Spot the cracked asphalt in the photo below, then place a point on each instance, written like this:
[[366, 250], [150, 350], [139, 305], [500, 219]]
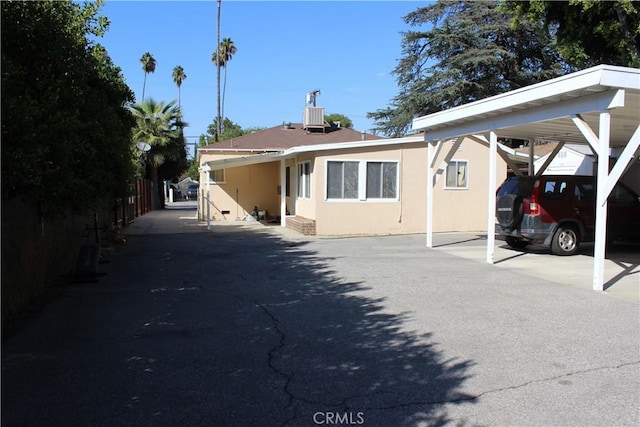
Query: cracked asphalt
[[245, 326]]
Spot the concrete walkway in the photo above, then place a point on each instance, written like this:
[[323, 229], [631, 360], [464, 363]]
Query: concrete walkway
[[245, 326]]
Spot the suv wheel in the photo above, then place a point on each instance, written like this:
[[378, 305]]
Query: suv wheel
[[509, 211], [565, 240], [516, 243]]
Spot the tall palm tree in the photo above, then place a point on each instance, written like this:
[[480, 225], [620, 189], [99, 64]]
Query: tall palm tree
[[178, 77], [148, 66], [227, 50], [218, 69]]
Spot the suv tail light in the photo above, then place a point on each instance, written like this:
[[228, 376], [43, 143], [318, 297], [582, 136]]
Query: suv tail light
[[534, 207]]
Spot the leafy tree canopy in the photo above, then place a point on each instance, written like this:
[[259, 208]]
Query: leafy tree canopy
[[229, 130], [462, 52], [589, 32], [335, 118], [66, 134]]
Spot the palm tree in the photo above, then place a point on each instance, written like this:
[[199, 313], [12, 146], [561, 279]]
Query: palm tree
[[148, 66], [178, 77], [227, 50], [218, 68], [157, 124]]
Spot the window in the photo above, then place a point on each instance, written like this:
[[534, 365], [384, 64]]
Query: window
[[381, 180], [304, 180], [362, 180], [457, 174], [555, 189], [217, 175], [585, 192], [342, 180], [287, 181]]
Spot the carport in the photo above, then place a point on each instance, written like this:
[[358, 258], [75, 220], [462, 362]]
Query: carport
[[599, 106]]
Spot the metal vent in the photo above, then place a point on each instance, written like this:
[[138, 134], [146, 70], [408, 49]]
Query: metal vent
[[313, 117]]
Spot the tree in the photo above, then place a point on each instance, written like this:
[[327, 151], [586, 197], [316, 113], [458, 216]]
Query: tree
[[66, 134], [344, 121], [148, 66], [217, 62], [159, 125], [178, 77], [229, 130], [589, 32], [227, 50], [467, 51]]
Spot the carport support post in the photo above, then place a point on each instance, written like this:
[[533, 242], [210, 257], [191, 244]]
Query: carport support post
[[429, 219], [601, 201], [207, 170], [283, 193], [491, 198]]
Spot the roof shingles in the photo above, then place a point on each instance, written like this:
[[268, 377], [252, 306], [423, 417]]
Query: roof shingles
[[281, 138]]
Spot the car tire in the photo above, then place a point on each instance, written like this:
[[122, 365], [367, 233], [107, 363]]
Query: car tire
[[516, 243], [509, 211], [566, 241]]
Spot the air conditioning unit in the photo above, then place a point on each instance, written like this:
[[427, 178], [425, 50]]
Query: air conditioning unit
[[313, 117]]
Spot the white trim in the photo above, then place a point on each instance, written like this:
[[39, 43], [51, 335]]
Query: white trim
[[466, 180], [305, 189], [560, 88], [362, 181]]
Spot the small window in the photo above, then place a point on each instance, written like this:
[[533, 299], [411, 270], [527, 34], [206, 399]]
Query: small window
[[217, 175], [555, 189], [304, 180], [457, 174]]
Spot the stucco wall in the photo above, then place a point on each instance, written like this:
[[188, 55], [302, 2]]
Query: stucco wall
[[460, 209], [466, 209], [355, 217], [454, 209], [256, 185]]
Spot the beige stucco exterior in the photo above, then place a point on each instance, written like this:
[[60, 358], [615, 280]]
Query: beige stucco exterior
[[458, 209]]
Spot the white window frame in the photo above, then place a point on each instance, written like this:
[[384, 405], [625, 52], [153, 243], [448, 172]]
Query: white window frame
[[466, 178], [303, 180], [362, 181]]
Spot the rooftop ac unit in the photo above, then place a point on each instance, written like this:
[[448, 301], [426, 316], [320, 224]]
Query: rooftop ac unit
[[313, 117]]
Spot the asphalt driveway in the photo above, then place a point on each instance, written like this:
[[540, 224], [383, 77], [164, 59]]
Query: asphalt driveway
[[244, 326]]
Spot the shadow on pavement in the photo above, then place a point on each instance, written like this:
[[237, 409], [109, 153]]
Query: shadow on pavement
[[233, 327]]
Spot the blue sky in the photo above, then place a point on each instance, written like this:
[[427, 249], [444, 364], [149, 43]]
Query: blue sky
[[285, 49]]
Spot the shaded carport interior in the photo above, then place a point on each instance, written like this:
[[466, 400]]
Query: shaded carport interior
[[599, 106]]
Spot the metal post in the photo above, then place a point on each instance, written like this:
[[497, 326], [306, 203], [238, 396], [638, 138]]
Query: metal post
[[491, 197]]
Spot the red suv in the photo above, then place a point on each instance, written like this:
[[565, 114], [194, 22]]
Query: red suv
[[559, 211]]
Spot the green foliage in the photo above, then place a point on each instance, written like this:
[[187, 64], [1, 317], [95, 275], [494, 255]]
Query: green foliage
[[467, 51], [65, 131], [228, 130], [160, 125], [589, 32], [344, 121]]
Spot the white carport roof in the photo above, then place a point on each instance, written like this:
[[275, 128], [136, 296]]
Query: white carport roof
[[599, 106]]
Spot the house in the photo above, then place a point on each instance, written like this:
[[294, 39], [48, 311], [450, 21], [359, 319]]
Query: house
[[332, 181]]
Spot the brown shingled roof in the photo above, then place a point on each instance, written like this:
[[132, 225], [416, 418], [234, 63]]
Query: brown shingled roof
[[281, 138]]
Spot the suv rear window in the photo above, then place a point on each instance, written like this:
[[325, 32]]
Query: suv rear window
[[519, 185]]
